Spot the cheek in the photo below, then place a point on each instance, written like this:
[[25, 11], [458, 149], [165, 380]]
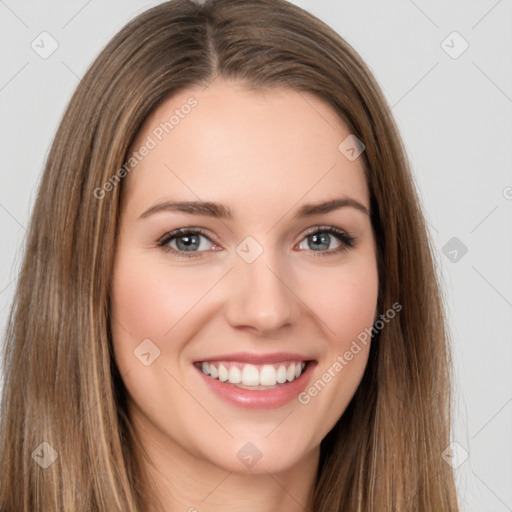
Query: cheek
[[352, 305], [346, 306], [344, 299], [149, 299]]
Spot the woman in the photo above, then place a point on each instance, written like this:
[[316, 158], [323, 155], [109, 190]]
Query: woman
[[228, 297]]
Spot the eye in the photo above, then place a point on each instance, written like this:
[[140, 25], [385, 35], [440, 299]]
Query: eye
[[327, 240], [191, 242], [186, 242]]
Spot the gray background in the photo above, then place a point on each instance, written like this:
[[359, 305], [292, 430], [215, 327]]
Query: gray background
[[455, 118]]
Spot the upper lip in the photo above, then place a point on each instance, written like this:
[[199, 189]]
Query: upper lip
[[247, 357]]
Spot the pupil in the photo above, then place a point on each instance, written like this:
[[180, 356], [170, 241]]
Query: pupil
[[189, 241], [323, 240]]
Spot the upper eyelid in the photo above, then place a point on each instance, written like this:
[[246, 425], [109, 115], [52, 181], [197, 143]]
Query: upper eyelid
[[183, 231]]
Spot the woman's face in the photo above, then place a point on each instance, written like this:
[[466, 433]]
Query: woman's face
[[261, 279]]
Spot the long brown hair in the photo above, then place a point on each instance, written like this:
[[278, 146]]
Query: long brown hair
[[61, 384]]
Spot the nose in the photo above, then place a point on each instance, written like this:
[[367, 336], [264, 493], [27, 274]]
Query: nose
[[261, 297]]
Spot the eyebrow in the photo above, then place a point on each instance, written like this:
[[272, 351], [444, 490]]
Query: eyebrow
[[220, 211]]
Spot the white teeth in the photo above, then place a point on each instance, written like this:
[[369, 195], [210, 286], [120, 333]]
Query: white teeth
[[268, 375], [251, 376], [281, 374], [213, 371], [235, 375], [223, 373]]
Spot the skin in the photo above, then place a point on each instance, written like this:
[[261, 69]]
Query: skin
[[263, 154]]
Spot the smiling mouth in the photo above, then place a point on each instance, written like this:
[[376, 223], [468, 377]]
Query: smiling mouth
[[253, 376]]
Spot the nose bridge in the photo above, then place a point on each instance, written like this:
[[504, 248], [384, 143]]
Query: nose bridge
[[260, 297]]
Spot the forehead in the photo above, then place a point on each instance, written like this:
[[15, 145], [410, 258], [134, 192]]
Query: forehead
[[246, 148]]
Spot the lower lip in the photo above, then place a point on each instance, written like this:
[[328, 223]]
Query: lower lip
[[260, 399]]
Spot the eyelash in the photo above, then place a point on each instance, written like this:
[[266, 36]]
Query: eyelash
[[346, 240]]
